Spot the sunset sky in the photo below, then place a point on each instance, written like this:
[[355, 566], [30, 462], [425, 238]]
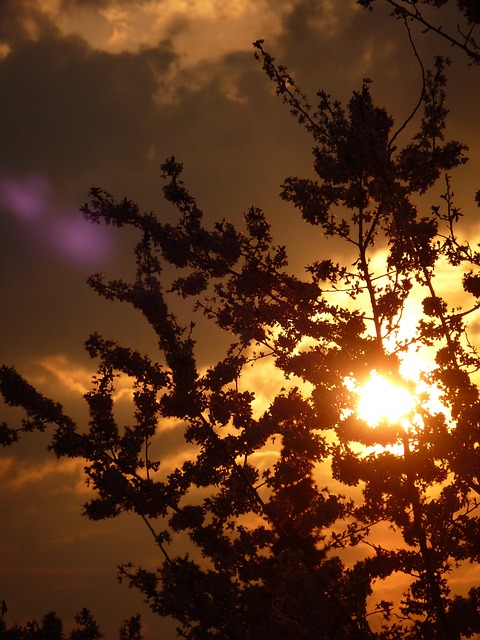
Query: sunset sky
[[99, 93]]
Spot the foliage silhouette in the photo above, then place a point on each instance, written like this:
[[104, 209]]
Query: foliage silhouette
[[51, 628], [286, 507]]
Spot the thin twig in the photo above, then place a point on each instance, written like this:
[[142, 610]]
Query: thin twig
[[422, 94]]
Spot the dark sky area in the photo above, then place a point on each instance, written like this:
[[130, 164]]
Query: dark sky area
[[99, 93]]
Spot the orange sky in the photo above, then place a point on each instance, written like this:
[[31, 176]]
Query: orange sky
[[98, 93]]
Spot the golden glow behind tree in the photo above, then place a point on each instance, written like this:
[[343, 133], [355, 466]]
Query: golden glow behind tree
[[276, 554]]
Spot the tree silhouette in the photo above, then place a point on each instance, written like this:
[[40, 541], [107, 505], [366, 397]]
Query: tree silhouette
[[286, 507], [51, 628]]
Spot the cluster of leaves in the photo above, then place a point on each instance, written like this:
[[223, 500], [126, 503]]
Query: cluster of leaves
[[274, 552]]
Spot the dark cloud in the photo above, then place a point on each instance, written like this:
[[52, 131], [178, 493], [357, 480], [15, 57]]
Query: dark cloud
[[22, 21], [72, 118], [76, 109]]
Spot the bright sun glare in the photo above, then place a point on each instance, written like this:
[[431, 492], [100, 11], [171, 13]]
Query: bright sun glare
[[382, 400]]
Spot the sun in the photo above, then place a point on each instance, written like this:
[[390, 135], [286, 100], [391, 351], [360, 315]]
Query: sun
[[382, 400]]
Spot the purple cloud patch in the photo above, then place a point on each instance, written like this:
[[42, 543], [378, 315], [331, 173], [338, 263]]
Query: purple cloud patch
[[57, 229], [26, 198], [81, 241]]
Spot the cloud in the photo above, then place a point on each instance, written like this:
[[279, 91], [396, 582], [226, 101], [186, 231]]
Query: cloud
[[200, 32], [79, 112], [201, 29], [26, 198], [71, 377], [193, 37], [55, 476]]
